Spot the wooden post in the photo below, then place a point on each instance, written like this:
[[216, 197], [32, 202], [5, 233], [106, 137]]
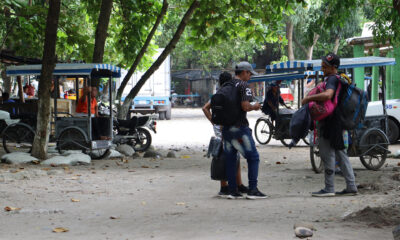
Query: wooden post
[[20, 89]]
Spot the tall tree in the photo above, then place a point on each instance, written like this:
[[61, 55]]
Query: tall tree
[[101, 30], [49, 58]]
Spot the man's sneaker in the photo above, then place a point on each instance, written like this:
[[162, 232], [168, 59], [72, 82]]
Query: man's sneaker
[[323, 193], [235, 195], [255, 194], [243, 189], [346, 192], [223, 192]]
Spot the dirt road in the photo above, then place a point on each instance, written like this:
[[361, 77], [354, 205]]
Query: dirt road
[[174, 198]]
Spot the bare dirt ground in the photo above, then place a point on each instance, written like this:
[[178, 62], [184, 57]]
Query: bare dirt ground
[[174, 198]]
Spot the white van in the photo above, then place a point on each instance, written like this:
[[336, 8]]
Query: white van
[[393, 112]]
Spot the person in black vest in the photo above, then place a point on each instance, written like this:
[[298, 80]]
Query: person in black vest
[[327, 131], [239, 138]]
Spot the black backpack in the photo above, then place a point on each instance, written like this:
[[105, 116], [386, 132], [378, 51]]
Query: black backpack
[[225, 104], [352, 105]]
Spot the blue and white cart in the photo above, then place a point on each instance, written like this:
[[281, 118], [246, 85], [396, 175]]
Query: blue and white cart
[[369, 141]]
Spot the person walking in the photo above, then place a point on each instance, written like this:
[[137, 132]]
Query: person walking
[[238, 137], [328, 150], [224, 190]]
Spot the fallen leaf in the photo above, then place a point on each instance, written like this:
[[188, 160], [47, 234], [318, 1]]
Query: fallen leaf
[[75, 200], [66, 168], [46, 169], [144, 166], [131, 171], [53, 165], [278, 163], [180, 203], [35, 161], [114, 217], [185, 156], [60, 229], [8, 209], [125, 161]]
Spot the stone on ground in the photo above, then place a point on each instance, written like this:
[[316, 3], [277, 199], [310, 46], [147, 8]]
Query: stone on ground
[[151, 154], [126, 150], [171, 154], [302, 232], [115, 154], [72, 159], [18, 158], [304, 224]]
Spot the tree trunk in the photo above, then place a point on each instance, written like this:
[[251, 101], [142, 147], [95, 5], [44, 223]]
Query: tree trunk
[[396, 5], [6, 82], [20, 89], [123, 111], [49, 58], [337, 44], [140, 55], [311, 48], [101, 30], [289, 36]]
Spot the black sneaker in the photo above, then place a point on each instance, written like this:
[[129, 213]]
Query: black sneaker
[[243, 189], [323, 193], [255, 194], [235, 195], [346, 192], [223, 192]]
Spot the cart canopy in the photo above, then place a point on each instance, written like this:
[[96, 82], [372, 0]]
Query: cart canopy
[[68, 69], [299, 69]]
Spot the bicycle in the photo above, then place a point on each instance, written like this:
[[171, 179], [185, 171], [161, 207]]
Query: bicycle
[[265, 130]]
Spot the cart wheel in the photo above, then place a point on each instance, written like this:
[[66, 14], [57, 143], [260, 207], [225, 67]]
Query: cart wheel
[[72, 139], [285, 142], [143, 140], [374, 148], [100, 153], [263, 130], [18, 138], [316, 161]]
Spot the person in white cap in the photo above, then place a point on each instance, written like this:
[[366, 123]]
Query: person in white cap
[[239, 138]]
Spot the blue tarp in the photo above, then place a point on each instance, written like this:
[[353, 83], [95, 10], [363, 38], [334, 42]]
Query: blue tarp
[[65, 69]]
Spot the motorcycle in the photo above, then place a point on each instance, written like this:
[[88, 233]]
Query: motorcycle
[[134, 132]]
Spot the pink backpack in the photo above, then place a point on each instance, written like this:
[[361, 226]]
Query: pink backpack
[[321, 110]]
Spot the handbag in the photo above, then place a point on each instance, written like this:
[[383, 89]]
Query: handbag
[[218, 169], [321, 110], [214, 147]]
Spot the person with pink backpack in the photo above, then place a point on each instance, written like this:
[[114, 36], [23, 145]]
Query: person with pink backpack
[[322, 103]]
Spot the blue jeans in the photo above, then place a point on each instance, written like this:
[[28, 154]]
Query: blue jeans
[[240, 139]]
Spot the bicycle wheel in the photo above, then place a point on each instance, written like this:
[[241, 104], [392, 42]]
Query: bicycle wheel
[[374, 144], [18, 138], [285, 142], [316, 161], [143, 140], [263, 131], [72, 139]]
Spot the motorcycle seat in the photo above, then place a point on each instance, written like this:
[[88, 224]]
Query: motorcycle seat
[[134, 122]]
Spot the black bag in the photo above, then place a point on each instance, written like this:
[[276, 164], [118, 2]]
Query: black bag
[[352, 105], [218, 171], [300, 123], [225, 104], [214, 147]]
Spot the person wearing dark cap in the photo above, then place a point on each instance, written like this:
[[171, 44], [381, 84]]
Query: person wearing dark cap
[[238, 138], [328, 151], [272, 101]]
